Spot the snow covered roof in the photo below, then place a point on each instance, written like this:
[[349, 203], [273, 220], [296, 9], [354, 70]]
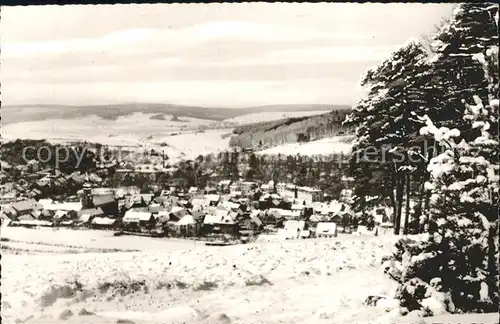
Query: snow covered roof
[[212, 219], [176, 209], [103, 199], [91, 212], [255, 212], [298, 206], [59, 214], [264, 197], [50, 205], [33, 223], [294, 225], [103, 221], [212, 197], [328, 228], [186, 220], [135, 216], [231, 205], [309, 189], [318, 218], [25, 205]]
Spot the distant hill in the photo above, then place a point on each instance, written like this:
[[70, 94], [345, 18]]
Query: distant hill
[[23, 113], [291, 130]]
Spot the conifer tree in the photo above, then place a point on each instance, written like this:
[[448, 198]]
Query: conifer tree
[[396, 88]]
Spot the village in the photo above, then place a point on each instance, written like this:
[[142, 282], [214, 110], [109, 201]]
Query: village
[[222, 212]]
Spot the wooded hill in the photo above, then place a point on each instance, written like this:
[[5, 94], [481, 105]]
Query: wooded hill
[[291, 130], [24, 113]]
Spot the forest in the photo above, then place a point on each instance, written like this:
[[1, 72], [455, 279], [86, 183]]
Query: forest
[[432, 107], [291, 130]]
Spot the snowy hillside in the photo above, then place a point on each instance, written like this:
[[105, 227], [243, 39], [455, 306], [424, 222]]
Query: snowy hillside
[[282, 282], [324, 146], [270, 116]]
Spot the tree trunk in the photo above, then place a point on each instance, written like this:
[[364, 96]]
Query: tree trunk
[[398, 201], [421, 200], [492, 279], [400, 204], [407, 209], [394, 201]]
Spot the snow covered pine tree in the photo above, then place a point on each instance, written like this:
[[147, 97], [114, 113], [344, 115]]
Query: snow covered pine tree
[[454, 266]]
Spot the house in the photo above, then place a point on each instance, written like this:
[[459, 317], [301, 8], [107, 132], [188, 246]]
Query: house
[[188, 226], [215, 217], [236, 186], [177, 213], [20, 170], [61, 215], [86, 215], [26, 217], [5, 166], [308, 194], [224, 223], [248, 186], [162, 216], [267, 188], [35, 193], [8, 198], [213, 199], [210, 190], [147, 198], [155, 208], [229, 205], [236, 194], [223, 186], [47, 215], [33, 166], [251, 221], [24, 207], [199, 202], [102, 191], [193, 191], [31, 223], [60, 184], [162, 200], [3, 177], [318, 218], [326, 229], [286, 190], [49, 204], [274, 220], [135, 201], [107, 203], [104, 223], [346, 195], [298, 207], [135, 220], [292, 229], [198, 216], [4, 219]]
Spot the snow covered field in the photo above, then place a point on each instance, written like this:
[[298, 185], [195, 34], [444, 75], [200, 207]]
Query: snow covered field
[[179, 281], [336, 145], [270, 116], [176, 138], [174, 281]]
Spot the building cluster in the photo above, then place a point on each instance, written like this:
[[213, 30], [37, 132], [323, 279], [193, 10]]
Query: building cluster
[[228, 208]]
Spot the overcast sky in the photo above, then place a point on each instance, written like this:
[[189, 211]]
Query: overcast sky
[[228, 55]]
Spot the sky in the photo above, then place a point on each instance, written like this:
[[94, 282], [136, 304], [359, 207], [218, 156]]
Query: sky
[[214, 55]]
